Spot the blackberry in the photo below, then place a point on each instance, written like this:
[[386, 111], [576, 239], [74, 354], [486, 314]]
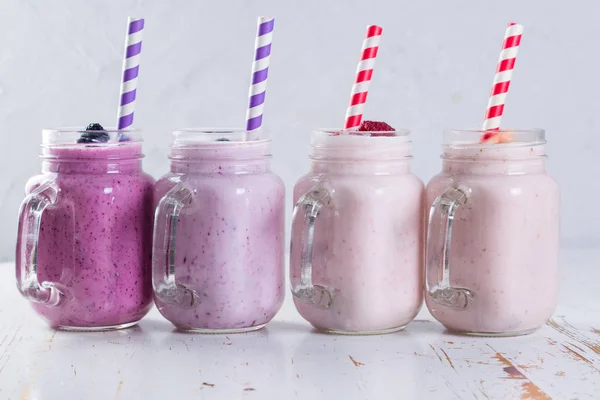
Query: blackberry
[[94, 126], [94, 133]]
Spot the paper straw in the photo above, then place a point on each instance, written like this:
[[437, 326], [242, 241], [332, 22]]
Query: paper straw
[[260, 72], [131, 66], [364, 72], [504, 71]]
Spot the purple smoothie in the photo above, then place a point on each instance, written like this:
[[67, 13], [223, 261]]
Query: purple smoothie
[[230, 237], [95, 240]]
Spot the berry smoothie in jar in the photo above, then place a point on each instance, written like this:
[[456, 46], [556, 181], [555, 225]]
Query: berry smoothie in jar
[[493, 236], [218, 252], [357, 232], [85, 231]]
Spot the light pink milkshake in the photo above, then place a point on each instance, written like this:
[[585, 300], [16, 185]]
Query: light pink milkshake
[[356, 253], [493, 270], [218, 258]]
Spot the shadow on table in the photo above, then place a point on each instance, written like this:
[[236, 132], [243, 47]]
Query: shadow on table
[[68, 340], [286, 327], [273, 327], [156, 325]]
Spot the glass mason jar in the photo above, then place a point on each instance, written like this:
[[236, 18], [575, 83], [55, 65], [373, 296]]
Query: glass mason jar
[[218, 255], [493, 235], [357, 234], [84, 239]]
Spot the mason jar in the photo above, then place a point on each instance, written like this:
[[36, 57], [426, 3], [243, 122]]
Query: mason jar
[[218, 255], [85, 232], [356, 262], [493, 235]]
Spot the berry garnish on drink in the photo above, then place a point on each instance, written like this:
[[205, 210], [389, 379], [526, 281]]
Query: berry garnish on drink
[[94, 133], [378, 128]]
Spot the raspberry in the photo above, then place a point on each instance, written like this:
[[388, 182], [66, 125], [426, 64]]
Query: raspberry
[[379, 128]]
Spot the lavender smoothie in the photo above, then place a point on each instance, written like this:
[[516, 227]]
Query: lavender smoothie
[[227, 250], [503, 254], [95, 237]]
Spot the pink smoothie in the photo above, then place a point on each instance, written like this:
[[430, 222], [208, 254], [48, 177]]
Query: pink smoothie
[[367, 240], [505, 239], [95, 241], [229, 242]]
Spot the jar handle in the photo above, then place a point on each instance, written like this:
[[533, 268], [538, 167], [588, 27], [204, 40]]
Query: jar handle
[[442, 214], [30, 219], [164, 247], [308, 208]]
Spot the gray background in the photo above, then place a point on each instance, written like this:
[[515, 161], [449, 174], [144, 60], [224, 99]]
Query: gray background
[[60, 65]]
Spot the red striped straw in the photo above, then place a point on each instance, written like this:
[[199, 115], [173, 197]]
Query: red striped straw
[[364, 72], [504, 71]]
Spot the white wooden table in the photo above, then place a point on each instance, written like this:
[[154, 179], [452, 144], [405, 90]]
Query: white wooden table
[[289, 360]]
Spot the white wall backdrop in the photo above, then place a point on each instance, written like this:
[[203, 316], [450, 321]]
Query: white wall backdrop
[[60, 65]]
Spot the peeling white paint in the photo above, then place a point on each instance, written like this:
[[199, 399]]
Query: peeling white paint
[[289, 360]]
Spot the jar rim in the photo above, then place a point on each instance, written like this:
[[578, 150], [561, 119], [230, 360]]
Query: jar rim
[[379, 135], [333, 138], [69, 136], [219, 137], [471, 138], [328, 145]]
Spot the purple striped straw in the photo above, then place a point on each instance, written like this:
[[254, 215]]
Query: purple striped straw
[[131, 67], [260, 72]]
